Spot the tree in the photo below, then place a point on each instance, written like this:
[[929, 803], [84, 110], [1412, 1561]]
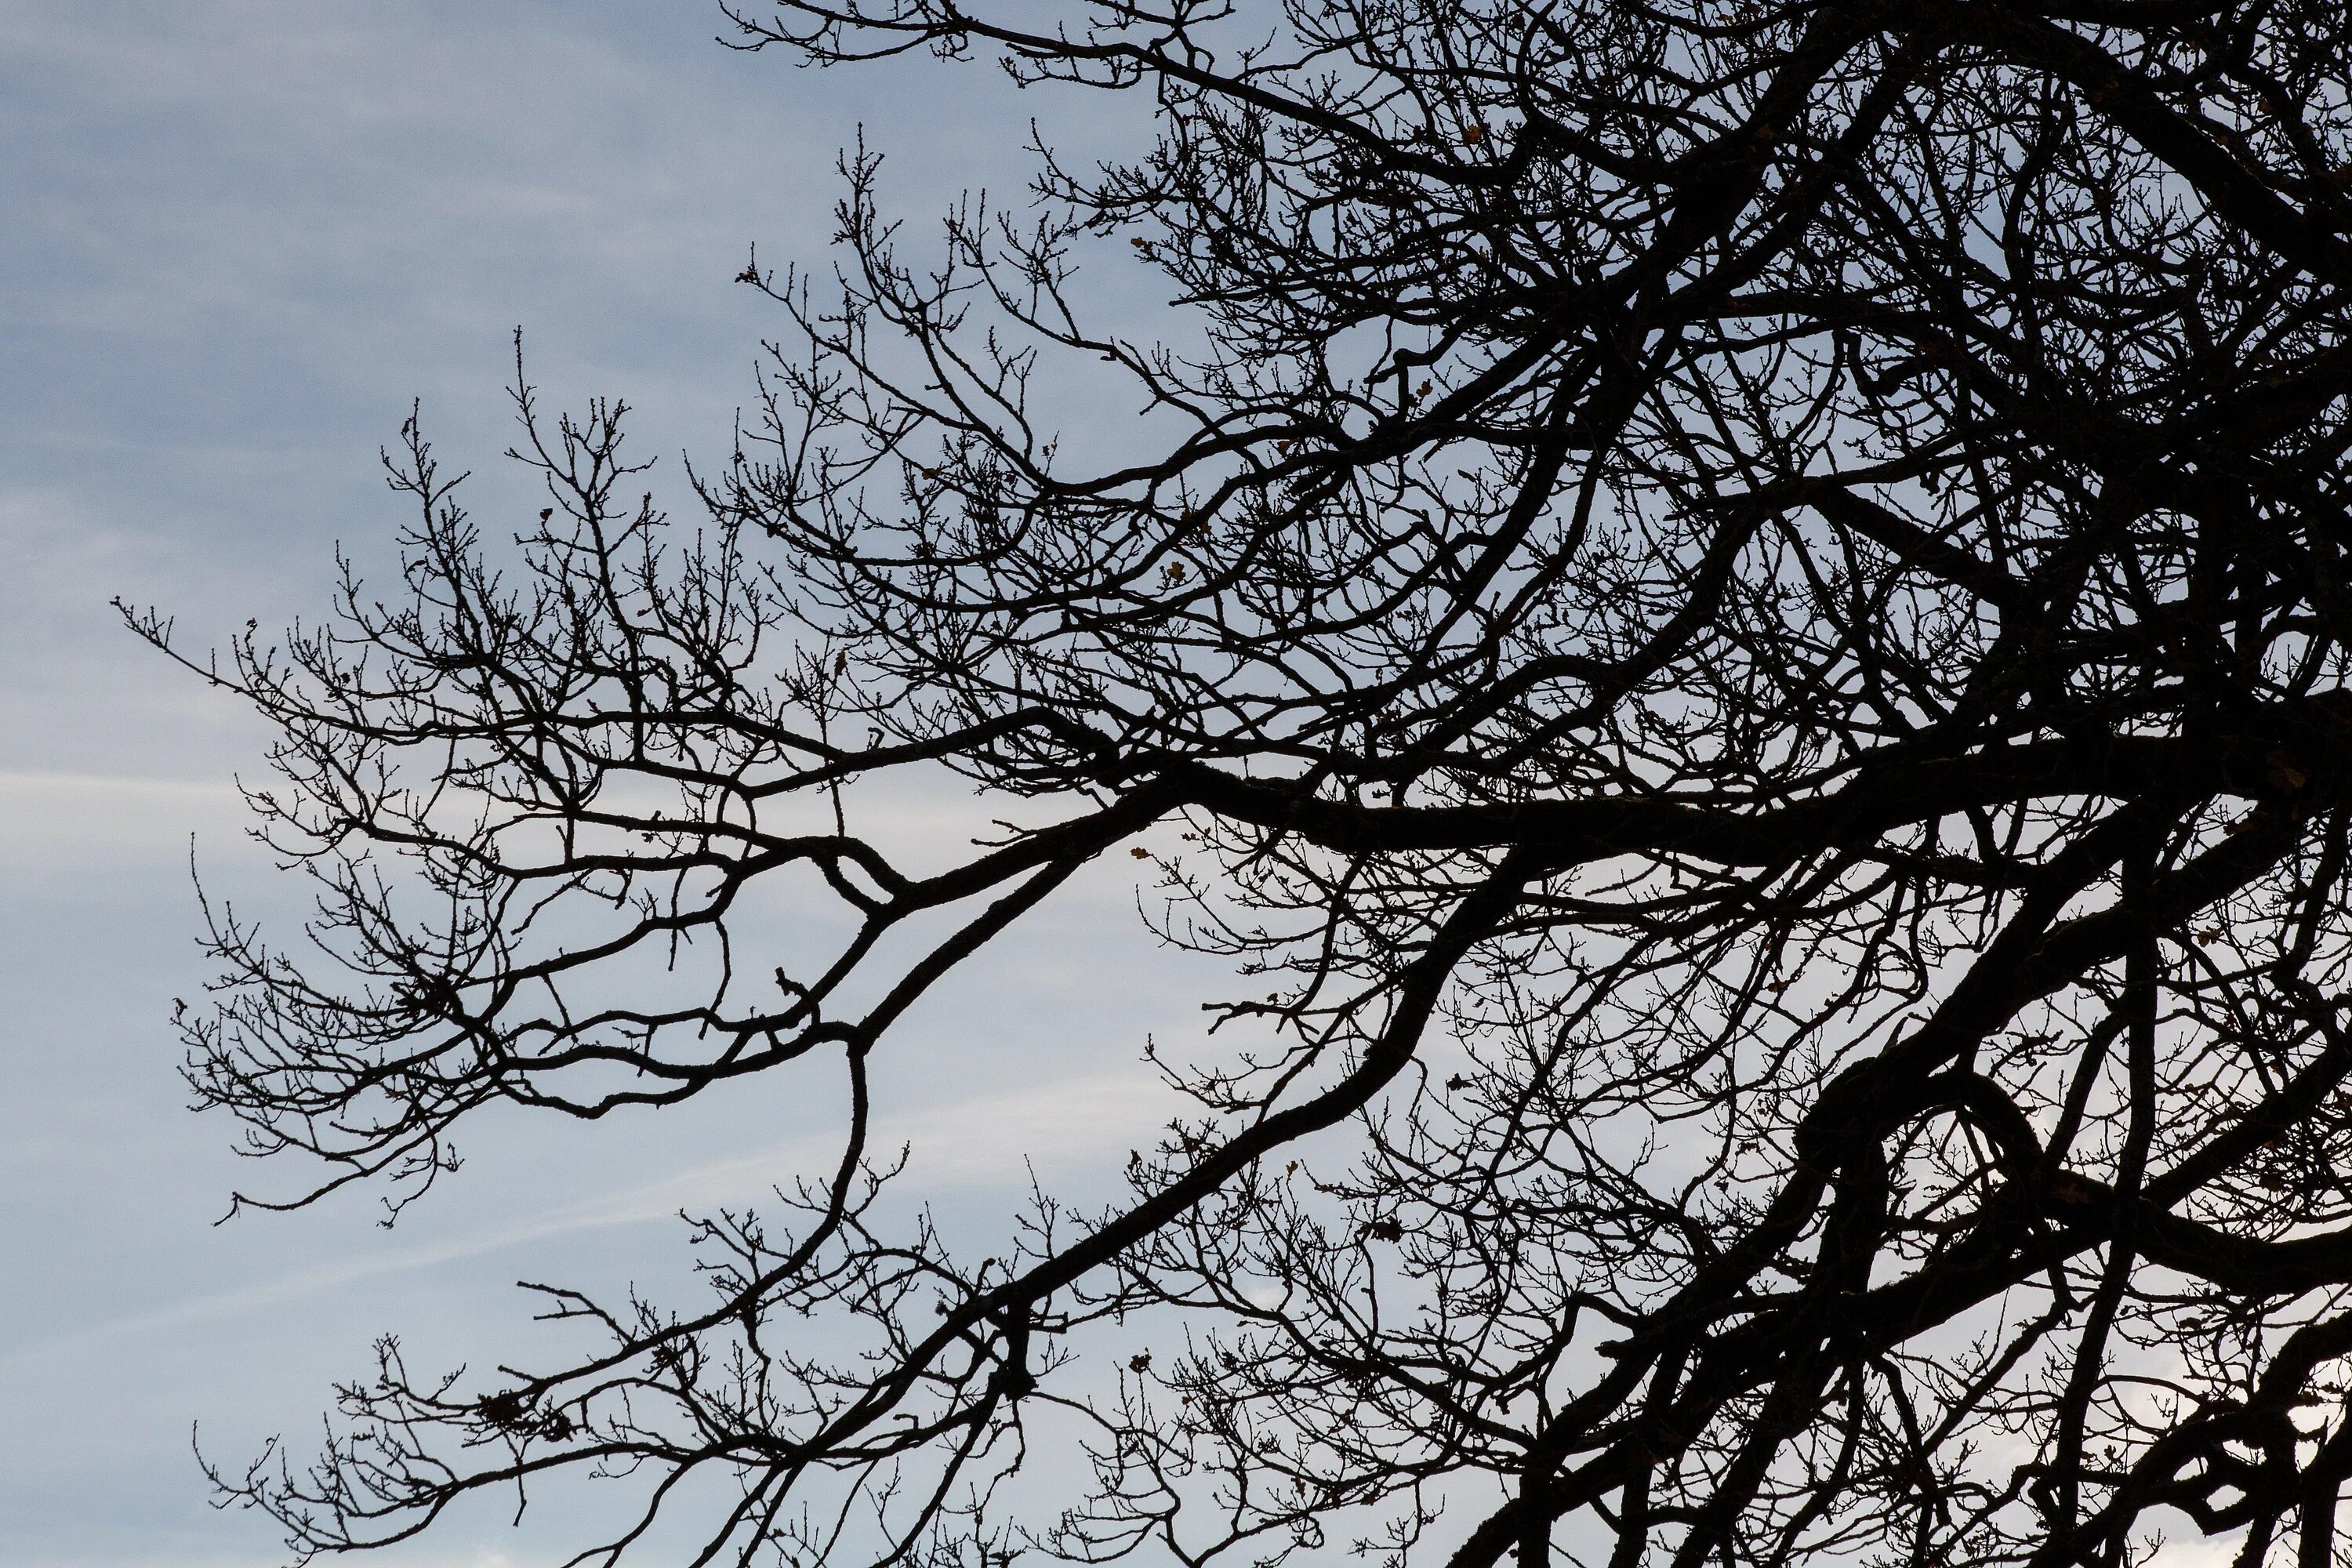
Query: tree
[[1746, 605]]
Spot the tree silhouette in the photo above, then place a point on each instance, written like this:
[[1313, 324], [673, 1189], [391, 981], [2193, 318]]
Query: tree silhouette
[[1745, 604]]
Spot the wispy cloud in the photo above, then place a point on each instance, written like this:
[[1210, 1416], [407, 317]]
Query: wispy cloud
[[75, 816], [243, 235], [975, 1142]]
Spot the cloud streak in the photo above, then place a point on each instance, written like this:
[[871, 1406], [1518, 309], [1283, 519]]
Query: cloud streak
[[976, 1142], [243, 235]]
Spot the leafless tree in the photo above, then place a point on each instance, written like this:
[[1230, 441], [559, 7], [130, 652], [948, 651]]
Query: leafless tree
[[1743, 606]]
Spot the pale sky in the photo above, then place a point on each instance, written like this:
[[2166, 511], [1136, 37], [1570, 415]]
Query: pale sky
[[239, 236]]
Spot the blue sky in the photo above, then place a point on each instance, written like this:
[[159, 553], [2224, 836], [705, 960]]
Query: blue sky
[[240, 235]]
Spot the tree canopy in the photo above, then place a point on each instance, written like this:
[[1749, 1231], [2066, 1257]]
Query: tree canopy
[[1744, 606]]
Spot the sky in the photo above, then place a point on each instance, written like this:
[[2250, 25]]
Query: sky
[[237, 240], [240, 237]]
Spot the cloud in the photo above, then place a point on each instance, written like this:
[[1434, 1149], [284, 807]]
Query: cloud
[[56, 825], [974, 1142], [243, 235]]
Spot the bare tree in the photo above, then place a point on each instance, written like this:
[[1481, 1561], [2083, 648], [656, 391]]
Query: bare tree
[[1741, 603]]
